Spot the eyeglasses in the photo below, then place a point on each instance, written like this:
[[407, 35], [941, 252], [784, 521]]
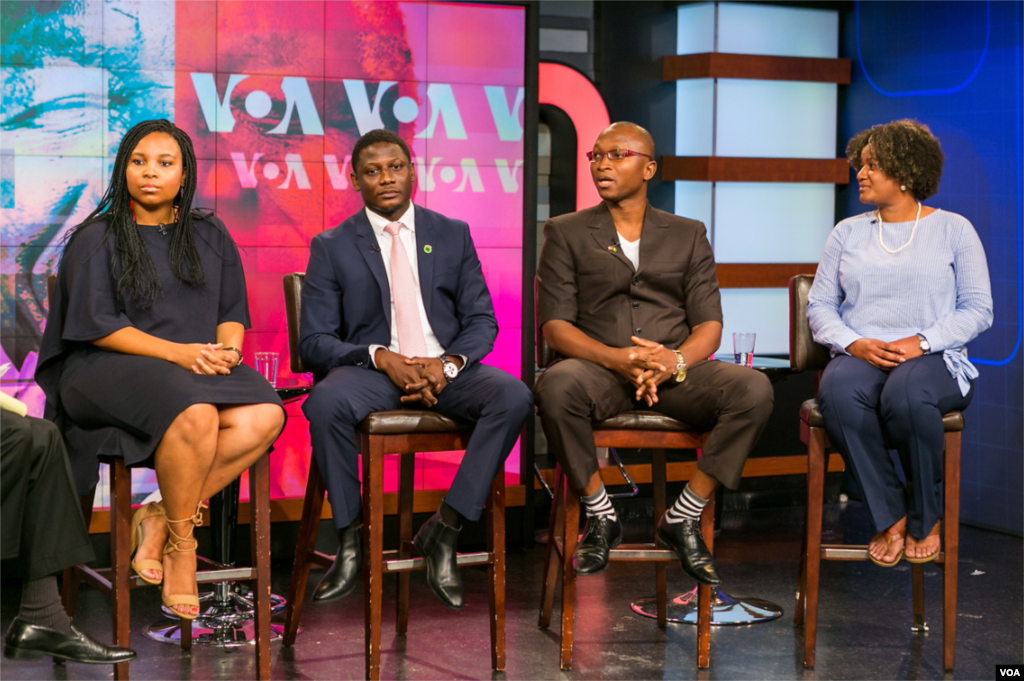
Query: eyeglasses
[[614, 155]]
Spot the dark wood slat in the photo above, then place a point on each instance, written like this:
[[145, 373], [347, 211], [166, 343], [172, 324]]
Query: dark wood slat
[[290, 509], [756, 67], [761, 275], [735, 169]]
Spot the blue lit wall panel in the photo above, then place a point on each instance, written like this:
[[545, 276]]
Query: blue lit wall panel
[[694, 201], [771, 222], [695, 117], [756, 310], [749, 28], [775, 119], [695, 29]]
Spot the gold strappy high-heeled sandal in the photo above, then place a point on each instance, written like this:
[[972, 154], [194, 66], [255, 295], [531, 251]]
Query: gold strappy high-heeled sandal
[[174, 542], [151, 510]]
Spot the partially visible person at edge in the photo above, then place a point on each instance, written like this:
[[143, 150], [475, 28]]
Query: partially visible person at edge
[[43, 533], [142, 353], [899, 292], [628, 297]]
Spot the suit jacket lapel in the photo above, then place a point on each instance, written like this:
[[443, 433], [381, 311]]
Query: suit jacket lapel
[[426, 239], [366, 244], [603, 230], [652, 238]]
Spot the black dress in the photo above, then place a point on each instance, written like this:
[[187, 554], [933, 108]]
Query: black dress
[[112, 404]]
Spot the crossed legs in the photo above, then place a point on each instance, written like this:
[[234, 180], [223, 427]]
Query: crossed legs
[[203, 450]]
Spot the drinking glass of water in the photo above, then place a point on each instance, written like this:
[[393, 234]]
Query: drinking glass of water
[[743, 348], [266, 364]]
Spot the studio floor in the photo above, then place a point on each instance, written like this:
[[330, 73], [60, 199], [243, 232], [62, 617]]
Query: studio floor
[[864, 631]]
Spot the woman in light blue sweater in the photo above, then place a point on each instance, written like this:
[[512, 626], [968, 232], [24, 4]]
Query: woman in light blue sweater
[[899, 293]]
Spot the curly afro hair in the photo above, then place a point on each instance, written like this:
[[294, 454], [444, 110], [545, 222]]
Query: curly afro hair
[[906, 151]]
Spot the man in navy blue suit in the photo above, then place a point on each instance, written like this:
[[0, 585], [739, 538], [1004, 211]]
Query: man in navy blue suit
[[396, 313]]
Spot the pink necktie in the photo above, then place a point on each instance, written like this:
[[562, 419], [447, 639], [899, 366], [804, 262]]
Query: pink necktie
[[411, 341]]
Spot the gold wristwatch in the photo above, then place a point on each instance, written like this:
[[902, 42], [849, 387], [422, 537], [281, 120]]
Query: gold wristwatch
[[680, 374]]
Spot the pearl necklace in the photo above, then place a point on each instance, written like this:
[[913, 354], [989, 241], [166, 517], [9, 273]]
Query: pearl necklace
[[878, 216]]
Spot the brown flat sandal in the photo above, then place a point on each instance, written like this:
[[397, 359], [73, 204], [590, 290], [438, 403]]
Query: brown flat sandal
[[890, 537], [931, 556]]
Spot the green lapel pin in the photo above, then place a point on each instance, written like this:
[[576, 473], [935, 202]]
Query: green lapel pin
[[428, 249]]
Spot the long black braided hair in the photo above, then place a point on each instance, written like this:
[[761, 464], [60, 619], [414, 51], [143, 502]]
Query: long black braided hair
[[137, 276]]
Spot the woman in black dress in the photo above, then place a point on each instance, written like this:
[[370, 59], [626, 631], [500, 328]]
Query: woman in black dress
[[141, 357]]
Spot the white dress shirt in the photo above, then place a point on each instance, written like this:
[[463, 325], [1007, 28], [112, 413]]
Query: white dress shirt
[[408, 239]]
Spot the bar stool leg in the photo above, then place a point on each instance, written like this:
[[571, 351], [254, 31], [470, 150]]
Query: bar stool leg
[[570, 537], [495, 515], [659, 470], [312, 508], [917, 597], [259, 524], [121, 501], [951, 546], [373, 543], [707, 527], [812, 538], [551, 555], [407, 472]]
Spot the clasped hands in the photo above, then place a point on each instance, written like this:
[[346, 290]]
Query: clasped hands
[[885, 356], [646, 365], [421, 378], [207, 359]]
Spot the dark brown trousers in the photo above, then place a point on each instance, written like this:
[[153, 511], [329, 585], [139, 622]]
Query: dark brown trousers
[[730, 401]]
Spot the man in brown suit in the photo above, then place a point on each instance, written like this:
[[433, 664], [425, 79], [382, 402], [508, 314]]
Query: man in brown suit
[[629, 298]]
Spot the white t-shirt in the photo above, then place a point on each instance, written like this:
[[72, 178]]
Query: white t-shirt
[[630, 249]]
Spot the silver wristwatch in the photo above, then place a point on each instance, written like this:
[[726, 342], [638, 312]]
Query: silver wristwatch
[[924, 344], [451, 370]]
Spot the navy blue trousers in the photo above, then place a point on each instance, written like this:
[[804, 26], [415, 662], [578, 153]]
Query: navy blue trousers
[[494, 402], [862, 405]]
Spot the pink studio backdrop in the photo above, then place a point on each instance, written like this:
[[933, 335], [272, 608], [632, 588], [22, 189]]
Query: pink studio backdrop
[[274, 96], [448, 77]]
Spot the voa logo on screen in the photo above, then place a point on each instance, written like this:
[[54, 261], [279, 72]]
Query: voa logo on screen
[[444, 115]]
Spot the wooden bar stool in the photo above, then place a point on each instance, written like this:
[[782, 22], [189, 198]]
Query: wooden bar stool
[[117, 581], [634, 429], [404, 432], [806, 355]]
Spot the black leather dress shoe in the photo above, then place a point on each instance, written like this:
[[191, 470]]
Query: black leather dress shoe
[[343, 576], [601, 534], [685, 539], [437, 543], [26, 641]]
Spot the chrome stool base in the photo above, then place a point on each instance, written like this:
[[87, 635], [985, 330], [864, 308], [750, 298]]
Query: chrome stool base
[[726, 610], [226, 622]]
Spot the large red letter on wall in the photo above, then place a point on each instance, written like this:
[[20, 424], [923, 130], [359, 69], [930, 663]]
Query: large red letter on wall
[[573, 93]]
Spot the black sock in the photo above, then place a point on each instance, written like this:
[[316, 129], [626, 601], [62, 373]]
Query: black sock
[[450, 517], [40, 605]]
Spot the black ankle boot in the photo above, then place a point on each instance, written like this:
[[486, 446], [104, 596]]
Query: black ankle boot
[[344, 574], [437, 543]]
